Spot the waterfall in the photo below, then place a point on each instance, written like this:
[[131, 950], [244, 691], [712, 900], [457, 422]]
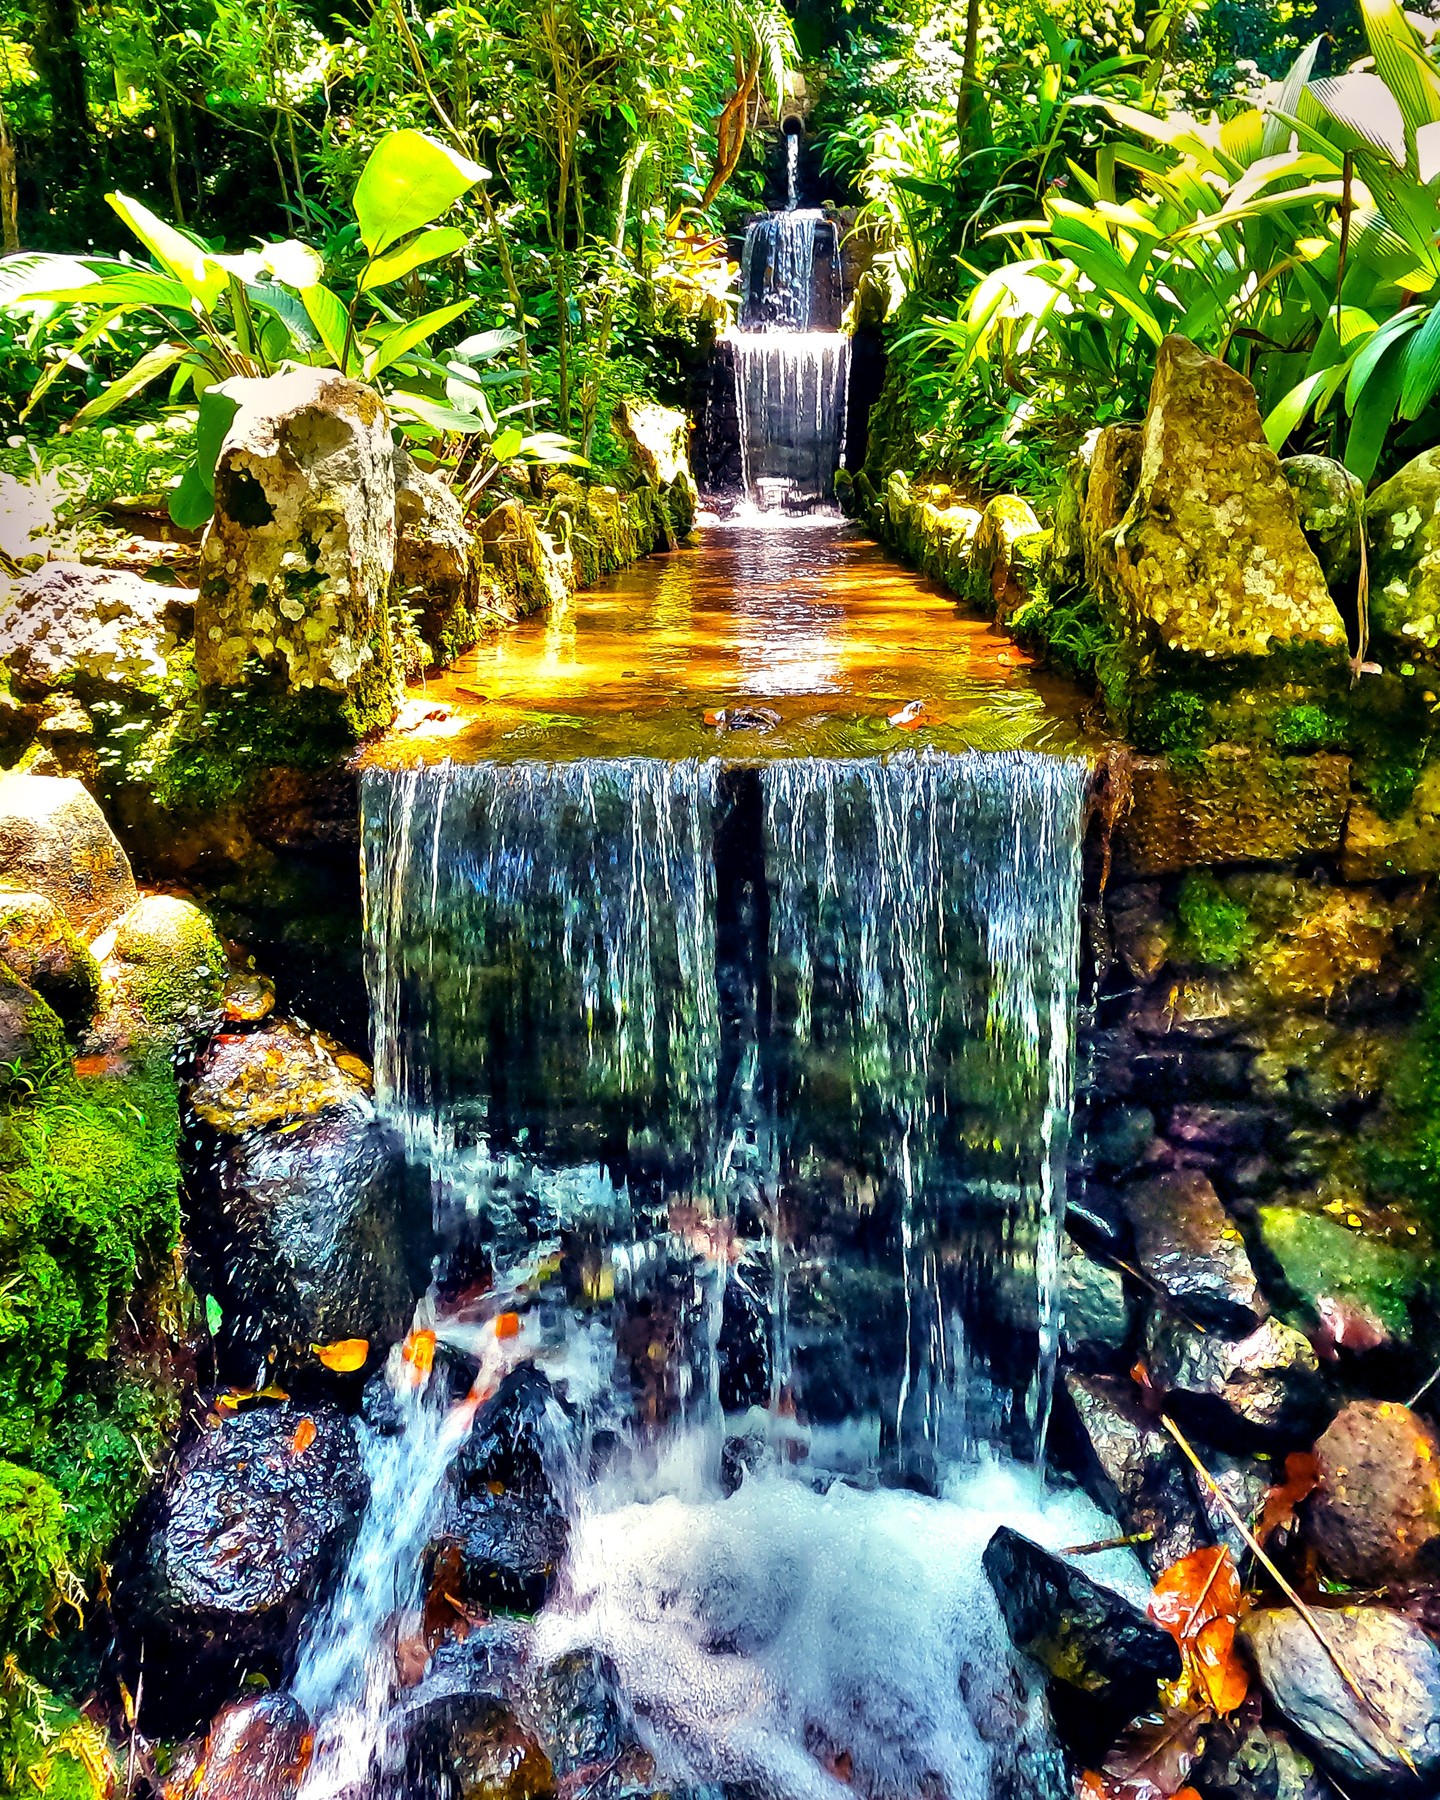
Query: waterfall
[[576, 1034], [790, 378]]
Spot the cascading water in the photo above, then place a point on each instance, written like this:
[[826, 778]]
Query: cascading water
[[790, 378], [746, 1092]]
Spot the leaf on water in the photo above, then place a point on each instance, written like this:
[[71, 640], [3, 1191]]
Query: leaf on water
[[234, 1398], [1151, 1759], [507, 1325], [344, 1356], [1198, 1601], [1301, 1474], [418, 1351], [304, 1437]]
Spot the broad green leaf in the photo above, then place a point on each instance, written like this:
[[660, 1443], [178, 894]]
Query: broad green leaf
[[1374, 414], [134, 287], [294, 263], [192, 502], [288, 309], [1290, 98], [28, 274], [217, 409], [485, 344], [214, 1316], [1375, 348], [417, 331], [330, 319], [430, 246], [186, 261], [437, 417], [1422, 367], [1365, 112], [152, 363], [504, 445], [96, 329], [409, 180], [1401, 64], [1287, 414]]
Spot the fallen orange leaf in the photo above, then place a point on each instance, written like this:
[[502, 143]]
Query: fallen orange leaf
[[507, 1325], [304, 1437], [345, 1356], [418, 1351], [1198, 1601], [1301, 1474]]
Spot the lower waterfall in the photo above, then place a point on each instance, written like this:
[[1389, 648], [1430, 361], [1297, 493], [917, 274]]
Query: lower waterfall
[[742, 1095], [790, 391]]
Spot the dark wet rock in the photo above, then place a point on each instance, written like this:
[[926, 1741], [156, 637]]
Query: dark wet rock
[[1143, 935], [1233, 805], [1137, 1473], [1244, 1760], [1105, 1067], [516, 1439], [1395, 1664], [578, 1714], [54, 841], [249, 998], [1244, 1481], [275, 1076], [1096, 1310], [306, 1241], [257, 1749], [1190, 1248], [1208, 1127], [1081, 1632], [744, 718], [379, 1409], [1121, 1138], [1095, 1213], [491, 1755], [742, 1348], [488, 1667], [1176, 1070], [41, 947], [1324, 1065], [509, 1550], [249, 1528], [1265, 1383], [1208, 1008], [1375, 1512], [1343, 1277]]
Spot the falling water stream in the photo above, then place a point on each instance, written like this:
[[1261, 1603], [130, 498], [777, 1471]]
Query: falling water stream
[[728, 1017]]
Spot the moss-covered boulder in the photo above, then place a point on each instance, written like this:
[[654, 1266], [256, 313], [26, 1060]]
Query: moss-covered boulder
[[1380, 844], [524, 557], [1324, 1262], [658, 438], [299, 559], [1004, 556], [1110, 480], [32, 1039], [1330, 505], [436, 566], [1209, 563], [167, 967], [40, 946], [55, 841], [1403, 528]]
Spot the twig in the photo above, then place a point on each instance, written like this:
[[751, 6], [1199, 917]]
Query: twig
[[1424, 1387], [1257, 1549], [1194, 1612], [1115, 1543], [135, 1726]]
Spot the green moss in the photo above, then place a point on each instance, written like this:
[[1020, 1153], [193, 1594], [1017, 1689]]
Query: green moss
[[1174, 724], [1402, 1158], [1318, 1257], [173, 961], [1068, 630], [1214, 929], [47, 1748], [33, 1550], [1306, 726]]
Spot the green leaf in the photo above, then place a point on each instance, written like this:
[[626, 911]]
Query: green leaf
[[214, 1317], [1401, 64], [191, 504], [328, 316], [1372, 417], [134, 288], [152, 363], [409, 180], [1287, 414], [506, 443], [437, 417], [486, 344], [288, 310], [430, 246], [417, 331], [202, 276], [1365, 111], [1277, 132], [294, 263], [26, 275], [1422, 367], [217, 409]]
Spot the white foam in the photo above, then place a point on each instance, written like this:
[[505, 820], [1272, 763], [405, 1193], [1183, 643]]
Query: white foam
[[760, 1637]]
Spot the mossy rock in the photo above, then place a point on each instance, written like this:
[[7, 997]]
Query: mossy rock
[[1330, 505], [1403, 527], [33, 1559], [169, 966], [1321, 1258], [32, 1039], [49, 1749], [40, 946]]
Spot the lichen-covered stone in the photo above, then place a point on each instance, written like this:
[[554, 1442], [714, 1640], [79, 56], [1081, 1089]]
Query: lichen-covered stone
[[41, 947], [32, 1039], [1403, 528], [1095, 1311], [512, 543], [68, 624], [1267, 1381], [54, 840], [436, 563], [1408, 844], [1235, 805], [299, 558], [1001, 573], [1330, 504], [1393, 1663], [280, 1074], [658, 437], [1209, 562], [1064, 561], [1375, 1512], [168, 967], [1109, 488]]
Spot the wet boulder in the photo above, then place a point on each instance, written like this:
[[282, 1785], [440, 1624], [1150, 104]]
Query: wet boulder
[[54, 841], [436, 562], [1403, 529], [1330, 505], [1209, 561], [1354, 1285], [580, 1717], [305, 1237], [1109, 488], [1134, 1468], [1246, 1761], [251, 1523], [40, 946], [1264, 1384], [69, 625], [166, 971], [257, 1748], [480, 1752], [658, 439], [1193, 1252], [32, 1038], [275, 1076], [1375, 1512], [1004, 556], [299, 558], [1095, 1316], [1083, 1633], [1395, 1665]]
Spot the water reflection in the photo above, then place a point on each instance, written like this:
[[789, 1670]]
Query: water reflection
[[808, 619]]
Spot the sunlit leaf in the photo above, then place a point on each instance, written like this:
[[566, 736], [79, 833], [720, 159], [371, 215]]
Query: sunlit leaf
[[303, 1438], [154, 362], [409, 179], [344, 1356], [202, 276]]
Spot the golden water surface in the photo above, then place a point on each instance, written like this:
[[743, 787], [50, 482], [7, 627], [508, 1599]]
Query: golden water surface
[[757, 641]]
